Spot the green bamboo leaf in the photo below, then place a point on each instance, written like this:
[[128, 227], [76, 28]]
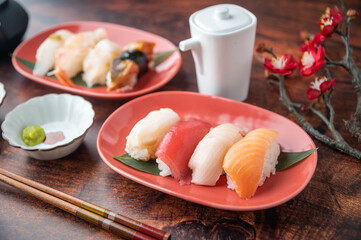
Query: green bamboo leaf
[[149, 167], [288, 159], [78, 80], [159, 57], [29, 64], [285, 160]]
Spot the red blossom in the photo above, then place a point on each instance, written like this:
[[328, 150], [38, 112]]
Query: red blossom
[[283, 65], [330, 21], [316, 40], [312, 93], [318, 87], [311, 60], [326, 85]]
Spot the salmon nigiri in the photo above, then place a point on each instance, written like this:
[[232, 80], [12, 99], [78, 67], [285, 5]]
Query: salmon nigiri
[[206, 161], [177, 147], [250, 160]]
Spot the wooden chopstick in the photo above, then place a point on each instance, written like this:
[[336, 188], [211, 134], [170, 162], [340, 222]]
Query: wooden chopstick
[[108, 220]]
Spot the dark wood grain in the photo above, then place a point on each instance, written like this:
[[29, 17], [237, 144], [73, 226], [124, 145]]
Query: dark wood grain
[[328, 208]]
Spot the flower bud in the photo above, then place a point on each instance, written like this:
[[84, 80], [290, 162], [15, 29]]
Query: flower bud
[[261, 48], [352, 14], [305, 36], [305, 108]]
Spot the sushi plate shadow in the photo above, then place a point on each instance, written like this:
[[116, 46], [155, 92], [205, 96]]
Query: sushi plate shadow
[[122, 35], [277, 189]]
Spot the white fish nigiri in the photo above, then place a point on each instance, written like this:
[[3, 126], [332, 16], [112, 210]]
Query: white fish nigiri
[[97, 63], [69, 58], [207, 159], [144, 138], [45, 55]]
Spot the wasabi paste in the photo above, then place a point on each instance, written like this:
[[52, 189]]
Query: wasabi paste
[[33, 135]]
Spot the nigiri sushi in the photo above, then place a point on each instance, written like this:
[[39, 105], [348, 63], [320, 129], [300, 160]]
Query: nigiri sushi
[[177, 147], [69, 58], [206, 161], [97, 63], [135, 60], [45, 55], [249, 161], [145, 136]]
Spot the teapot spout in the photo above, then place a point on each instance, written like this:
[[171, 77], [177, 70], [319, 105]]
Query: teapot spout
[[188, 44], [194, 45]]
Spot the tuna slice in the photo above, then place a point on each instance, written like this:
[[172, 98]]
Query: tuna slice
[[177, 147]]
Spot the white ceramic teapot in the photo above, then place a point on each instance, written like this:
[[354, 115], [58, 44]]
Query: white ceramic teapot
[[222, 46]]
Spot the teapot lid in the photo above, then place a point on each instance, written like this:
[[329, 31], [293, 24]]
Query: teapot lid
[[222, 18]]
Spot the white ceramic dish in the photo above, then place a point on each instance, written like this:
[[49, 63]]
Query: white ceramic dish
[[69, 114], [2, 93]]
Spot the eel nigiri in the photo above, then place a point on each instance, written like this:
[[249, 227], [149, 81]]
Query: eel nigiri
[[249, 161], [177, 147], [69, 58], [135, 60], [97, 63], [206, 161], [45, 55], [145, 136]]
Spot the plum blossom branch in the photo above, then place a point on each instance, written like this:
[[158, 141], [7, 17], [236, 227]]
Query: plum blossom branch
[[313, 58]]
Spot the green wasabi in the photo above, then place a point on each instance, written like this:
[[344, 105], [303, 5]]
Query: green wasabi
[[33, 135]]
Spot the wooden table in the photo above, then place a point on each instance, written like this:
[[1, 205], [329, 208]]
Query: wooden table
[[328, 208]]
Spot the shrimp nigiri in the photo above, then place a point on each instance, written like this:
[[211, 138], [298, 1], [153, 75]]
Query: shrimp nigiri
[[206, 161], [135, 61], [69, 58], [249, 161], [97, 63], [45, 55]]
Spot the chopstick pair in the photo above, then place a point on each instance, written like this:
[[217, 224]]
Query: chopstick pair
[[125, 227]]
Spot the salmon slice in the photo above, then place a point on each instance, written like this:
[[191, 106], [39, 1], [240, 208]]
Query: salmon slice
[[245, 161]]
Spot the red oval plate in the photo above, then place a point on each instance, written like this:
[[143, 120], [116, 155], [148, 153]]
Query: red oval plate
[[122, 35], [276, 190]]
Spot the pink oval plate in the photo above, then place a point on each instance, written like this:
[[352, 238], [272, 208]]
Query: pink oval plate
[[122, 35], [276, 190]]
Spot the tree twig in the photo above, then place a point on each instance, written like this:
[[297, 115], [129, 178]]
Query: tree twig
[[339, 144]]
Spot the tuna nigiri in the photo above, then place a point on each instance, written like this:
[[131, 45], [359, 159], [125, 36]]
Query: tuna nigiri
[[144, 138], [206, 161], [177, 147], [249, 161]]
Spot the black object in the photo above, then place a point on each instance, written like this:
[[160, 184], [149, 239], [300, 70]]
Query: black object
[[13, 23], [139, 58]]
